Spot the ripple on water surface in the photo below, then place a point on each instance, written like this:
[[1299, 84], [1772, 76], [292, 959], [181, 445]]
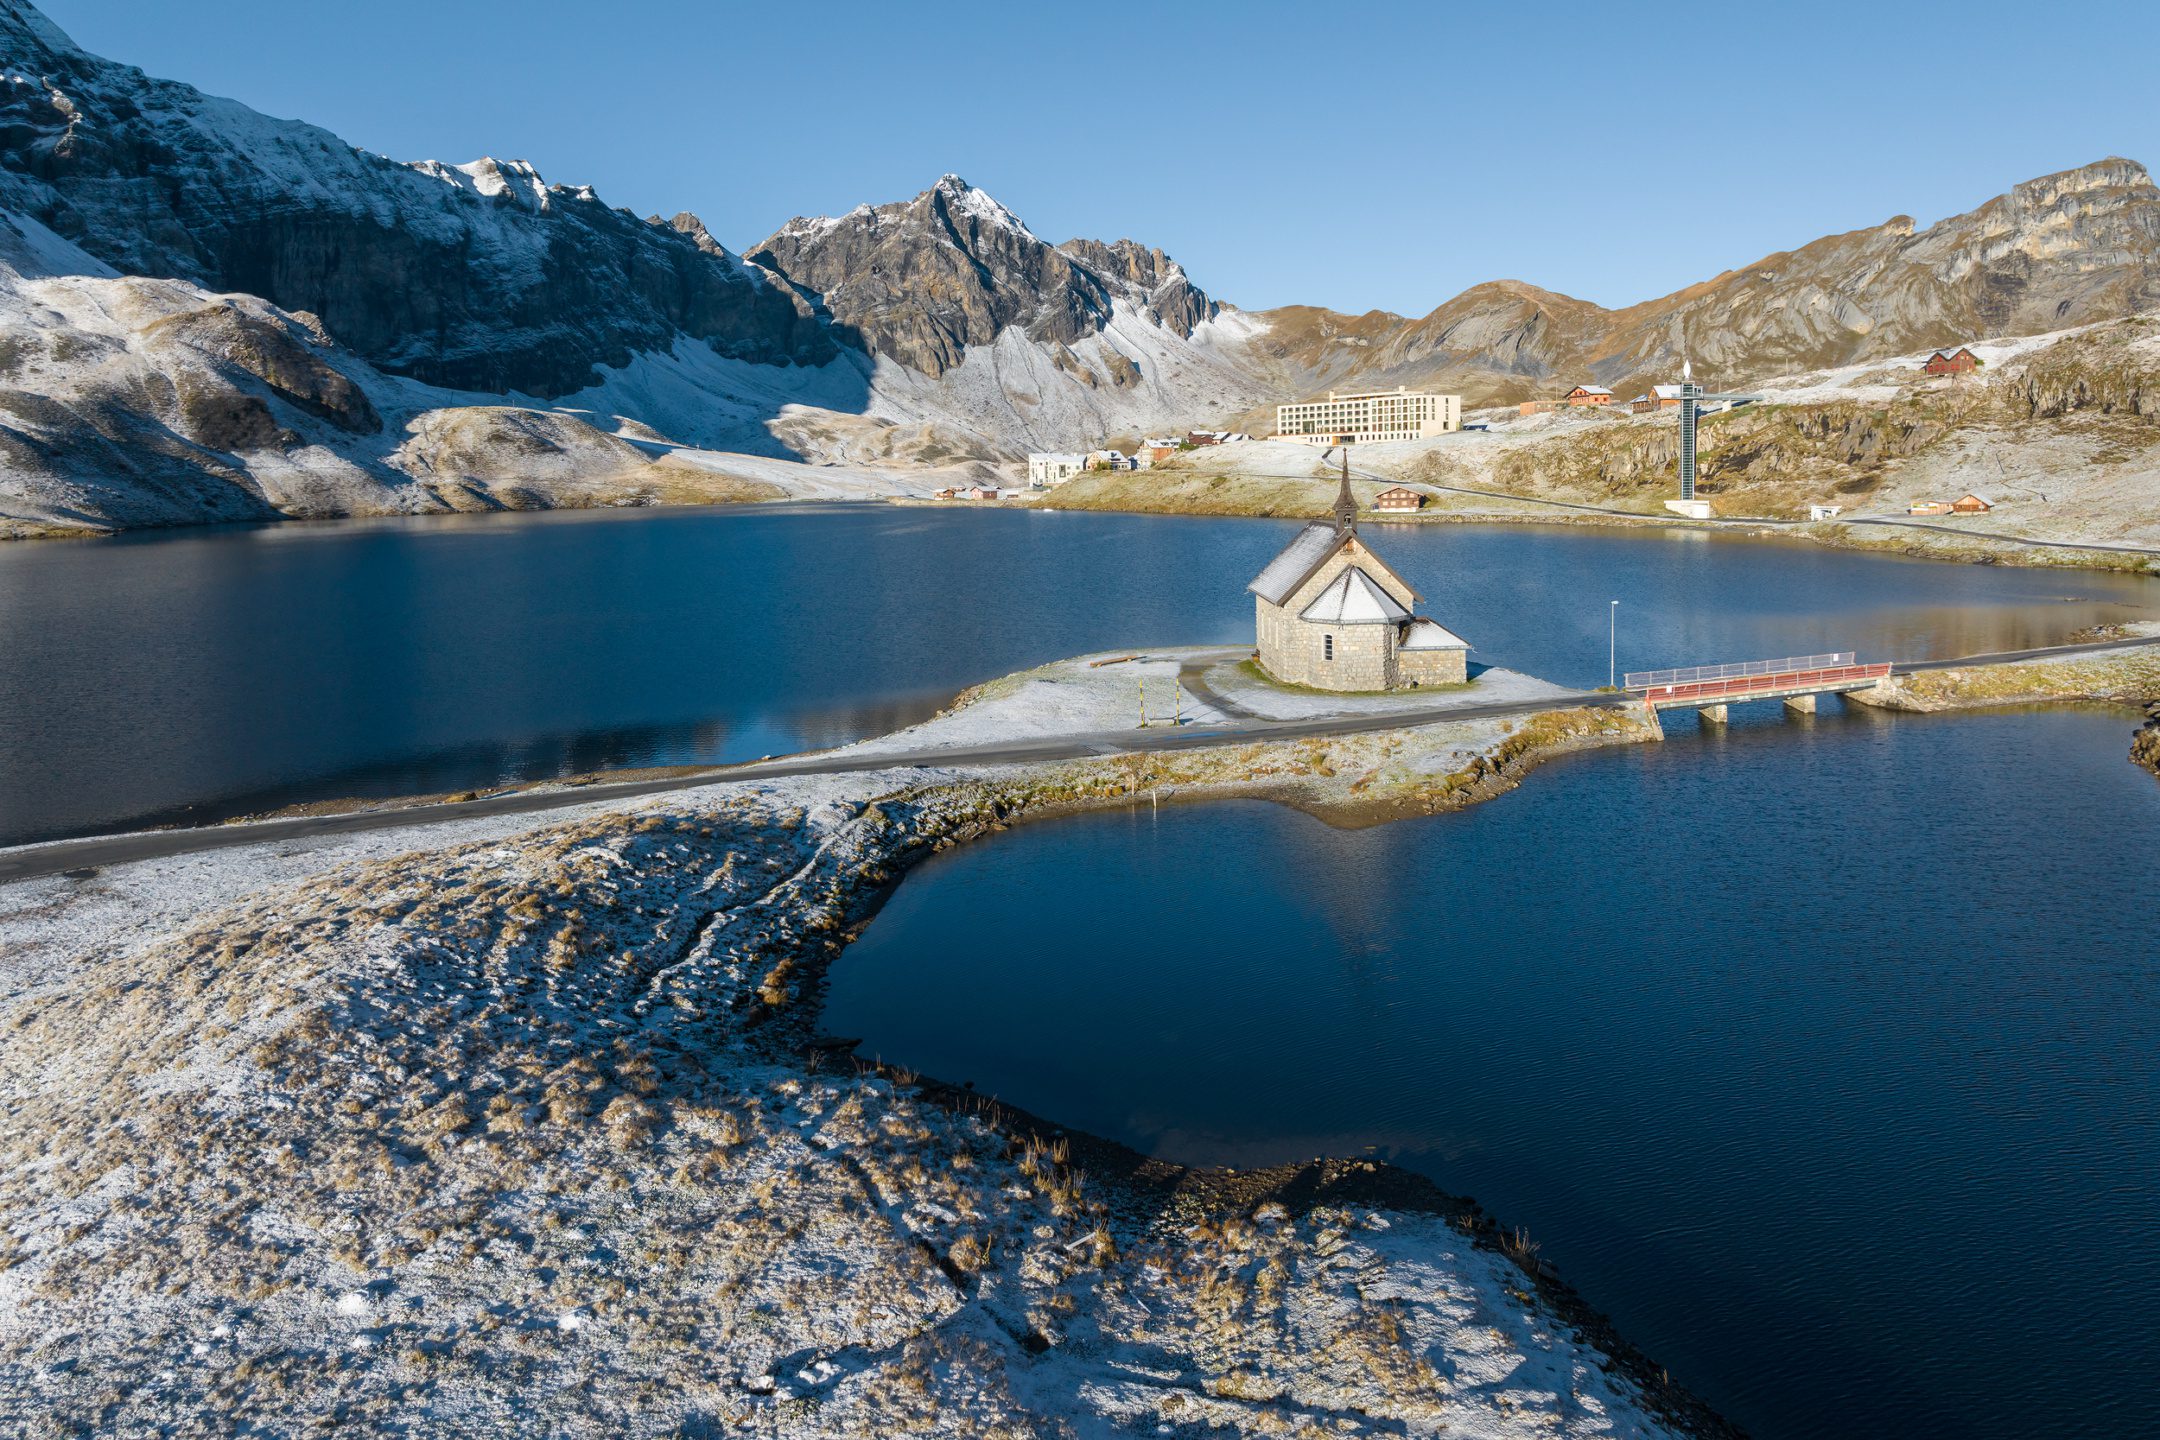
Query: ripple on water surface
[[1821, 1054], [198, 675]]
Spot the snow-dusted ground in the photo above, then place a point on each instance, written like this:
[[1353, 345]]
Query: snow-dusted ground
[[2057, 481], [1490, 686], [1014, 394], [1087, 695], [504, 1126], [1108, 693], [823, 482]]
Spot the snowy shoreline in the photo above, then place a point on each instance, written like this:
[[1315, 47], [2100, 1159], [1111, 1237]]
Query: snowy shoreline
[[535, 1120]]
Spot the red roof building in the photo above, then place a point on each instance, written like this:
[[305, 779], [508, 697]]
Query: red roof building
[[1960, 361]]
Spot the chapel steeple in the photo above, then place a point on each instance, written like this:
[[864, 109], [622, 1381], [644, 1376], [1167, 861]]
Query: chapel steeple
[[1345, 502]]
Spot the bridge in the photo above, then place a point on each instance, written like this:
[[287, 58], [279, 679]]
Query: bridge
[[1796, 679]]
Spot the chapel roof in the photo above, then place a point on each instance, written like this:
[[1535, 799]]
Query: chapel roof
[[1354, 598], [1305, 553], [1424, 634]]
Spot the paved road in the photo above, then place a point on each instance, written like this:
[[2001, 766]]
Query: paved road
[[2045, 652], [2000, 536], [29, 862]]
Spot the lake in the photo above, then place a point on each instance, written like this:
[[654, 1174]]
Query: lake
[[1819, 1053], [1824, 1055], [197, 675]]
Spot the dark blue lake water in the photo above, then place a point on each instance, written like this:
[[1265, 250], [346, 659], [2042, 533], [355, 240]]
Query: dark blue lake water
[[197, 675], [1823, 1055], [1820, 1054]]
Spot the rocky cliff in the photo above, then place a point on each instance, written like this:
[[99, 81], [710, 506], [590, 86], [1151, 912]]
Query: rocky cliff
[[479, 276], [921, 280]]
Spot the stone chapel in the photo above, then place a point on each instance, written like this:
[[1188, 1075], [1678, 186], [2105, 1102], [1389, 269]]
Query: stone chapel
[[1332, 615]]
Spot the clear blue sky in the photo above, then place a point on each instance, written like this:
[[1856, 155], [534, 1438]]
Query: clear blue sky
[[1420, 149]]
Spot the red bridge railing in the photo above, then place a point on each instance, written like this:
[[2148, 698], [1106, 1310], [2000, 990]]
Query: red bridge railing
[[1644, 679], [1709, 684]]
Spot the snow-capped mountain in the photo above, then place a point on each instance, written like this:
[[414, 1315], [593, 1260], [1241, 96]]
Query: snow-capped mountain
[[479, 276], [920, 281], [209, 313]]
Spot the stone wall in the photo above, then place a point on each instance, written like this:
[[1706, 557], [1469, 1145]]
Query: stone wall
[[1431, 667], [1295, 652]]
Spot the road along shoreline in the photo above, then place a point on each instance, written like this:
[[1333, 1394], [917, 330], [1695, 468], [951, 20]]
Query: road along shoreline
[[54, 857], [542, 1119]]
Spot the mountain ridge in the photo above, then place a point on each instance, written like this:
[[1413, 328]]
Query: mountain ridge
[[291, 266], [1997, 269]]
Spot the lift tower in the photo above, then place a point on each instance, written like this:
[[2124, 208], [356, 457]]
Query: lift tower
[[1692, 397]]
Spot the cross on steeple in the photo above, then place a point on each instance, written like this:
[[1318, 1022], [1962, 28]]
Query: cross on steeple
[[1345, 502]]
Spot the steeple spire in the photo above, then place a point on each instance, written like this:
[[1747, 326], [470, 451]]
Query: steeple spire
[[1345, 502]]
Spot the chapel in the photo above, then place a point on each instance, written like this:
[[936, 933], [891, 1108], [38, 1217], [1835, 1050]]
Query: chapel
[[1332, 615]]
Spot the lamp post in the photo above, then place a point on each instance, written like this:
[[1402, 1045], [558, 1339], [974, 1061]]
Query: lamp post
[[1612, 647]]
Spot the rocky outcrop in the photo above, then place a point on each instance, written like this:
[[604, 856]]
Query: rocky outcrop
[[2145, 742], [266, 348], [2110, 372], [922, 280], [1171, 297], [480, 276]]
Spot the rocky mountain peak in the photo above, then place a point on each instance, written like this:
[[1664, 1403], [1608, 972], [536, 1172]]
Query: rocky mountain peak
[[959, 199], [689, 225], [920, 281], [2112, 173]]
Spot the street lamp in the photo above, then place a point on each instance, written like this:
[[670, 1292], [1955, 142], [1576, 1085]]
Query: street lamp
[[1612, 647]]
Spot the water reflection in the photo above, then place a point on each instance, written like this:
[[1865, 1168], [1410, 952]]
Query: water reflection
[[480, 766], [1808, 1048], [205, 673]]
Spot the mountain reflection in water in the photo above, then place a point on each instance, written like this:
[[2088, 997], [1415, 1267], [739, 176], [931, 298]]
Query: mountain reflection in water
[[197, 675]]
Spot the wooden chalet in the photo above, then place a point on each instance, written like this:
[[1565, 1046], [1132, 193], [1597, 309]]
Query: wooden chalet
[[1960, 361]]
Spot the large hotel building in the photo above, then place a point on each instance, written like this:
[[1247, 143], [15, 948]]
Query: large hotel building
[[1399, 414]]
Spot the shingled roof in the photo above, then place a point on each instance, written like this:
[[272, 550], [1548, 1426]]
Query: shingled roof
[[1303, 555], [1311, 548]]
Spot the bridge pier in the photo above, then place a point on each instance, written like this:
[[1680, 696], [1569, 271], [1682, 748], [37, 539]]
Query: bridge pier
[[1800, 704], [1710, 714]]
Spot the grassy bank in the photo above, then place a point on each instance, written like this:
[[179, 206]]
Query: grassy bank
[[2120, 677], [1170, 492]]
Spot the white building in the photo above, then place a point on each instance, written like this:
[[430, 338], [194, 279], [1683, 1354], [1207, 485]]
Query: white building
[[1399, 414], [1053, 467]]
